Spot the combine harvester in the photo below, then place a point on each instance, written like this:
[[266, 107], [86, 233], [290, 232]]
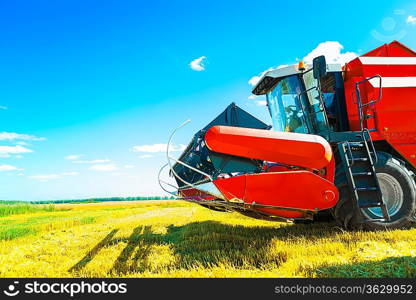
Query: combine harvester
[[343, 141]]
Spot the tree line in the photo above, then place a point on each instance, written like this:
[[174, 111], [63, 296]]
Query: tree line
[[92, 200]]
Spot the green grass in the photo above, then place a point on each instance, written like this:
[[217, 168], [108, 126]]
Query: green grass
[[12, 229], [396, 267], [11, 233], [87, 220], [7, 208]]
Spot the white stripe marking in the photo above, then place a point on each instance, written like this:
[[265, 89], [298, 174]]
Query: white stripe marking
[[399, 82], [378, 60]]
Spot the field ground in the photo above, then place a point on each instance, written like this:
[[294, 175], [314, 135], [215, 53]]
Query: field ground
[[178, 239]]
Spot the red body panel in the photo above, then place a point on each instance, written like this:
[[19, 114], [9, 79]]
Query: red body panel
[[395, 114], [191, 193], [296, 149], [296, 189]]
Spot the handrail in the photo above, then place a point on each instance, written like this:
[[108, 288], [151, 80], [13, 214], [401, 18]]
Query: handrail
[[190, 167], [365, 130], [164, 182], [169, 158], [358, 94], [350, 156], [321, 105]]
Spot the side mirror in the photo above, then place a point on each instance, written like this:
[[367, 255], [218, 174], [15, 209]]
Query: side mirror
[[319, 67]]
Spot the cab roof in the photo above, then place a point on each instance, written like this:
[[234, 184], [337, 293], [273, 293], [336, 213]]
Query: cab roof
[[270, 78]]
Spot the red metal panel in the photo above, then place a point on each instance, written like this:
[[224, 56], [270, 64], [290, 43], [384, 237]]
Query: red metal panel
[[330, 171], [306, 150], [192, 193], [233, 188], [395, 48], [407, 150], [297, 189], [395, 115]]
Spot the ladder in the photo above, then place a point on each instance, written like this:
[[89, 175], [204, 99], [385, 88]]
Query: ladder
[[359, 162]]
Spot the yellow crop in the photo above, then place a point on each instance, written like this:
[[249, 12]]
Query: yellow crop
[[178, 239]]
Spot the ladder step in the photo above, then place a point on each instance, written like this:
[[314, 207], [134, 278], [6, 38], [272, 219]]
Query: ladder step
[[362, 174], [374, 220], [356, 144], [363, 189], [359, 159], [369, 205]]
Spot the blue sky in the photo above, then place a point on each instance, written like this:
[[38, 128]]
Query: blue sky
[[84, 85]]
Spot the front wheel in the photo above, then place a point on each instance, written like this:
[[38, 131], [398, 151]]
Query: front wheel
[[399, 194]]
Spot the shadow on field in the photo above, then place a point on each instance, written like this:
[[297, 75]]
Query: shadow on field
[[93, 252], [391, 267], [207, 243]]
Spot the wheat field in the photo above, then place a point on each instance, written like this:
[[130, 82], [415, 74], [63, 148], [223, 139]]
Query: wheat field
[[179, 239]]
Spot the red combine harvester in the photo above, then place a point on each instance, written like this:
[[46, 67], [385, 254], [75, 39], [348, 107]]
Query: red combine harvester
[[343, 143]]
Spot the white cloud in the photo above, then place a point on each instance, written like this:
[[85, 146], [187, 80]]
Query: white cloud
[[198, 64], [4, 168], [21, 143], [73, 156], [411, 20], [103, 167], [261, 103], [5, 151], [145, 156], [255, 79], [118, 174], [331, 50], [46, 177], [69, 173], [3, 107], [129, 166], [75, 159], [158, 148], [177, 148], [95, 161], [333, 53], [19, 136]]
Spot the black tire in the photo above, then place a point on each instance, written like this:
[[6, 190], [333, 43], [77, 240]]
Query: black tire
[[403, 207], [323, 216]]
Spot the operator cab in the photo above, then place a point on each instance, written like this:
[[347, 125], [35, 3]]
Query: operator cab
[[297, 102]]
